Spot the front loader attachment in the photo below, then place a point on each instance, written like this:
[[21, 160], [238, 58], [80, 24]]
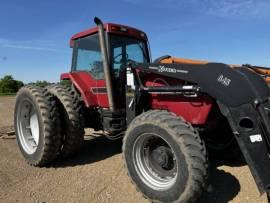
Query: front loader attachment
[[243, 97], [250, 125]]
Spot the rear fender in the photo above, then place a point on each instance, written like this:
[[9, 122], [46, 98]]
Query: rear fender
[[79, 87]]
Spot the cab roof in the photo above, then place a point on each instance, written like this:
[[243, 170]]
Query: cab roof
[[111, 28]]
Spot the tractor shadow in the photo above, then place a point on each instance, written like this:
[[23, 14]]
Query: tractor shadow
[[94, 149], [224, 186]]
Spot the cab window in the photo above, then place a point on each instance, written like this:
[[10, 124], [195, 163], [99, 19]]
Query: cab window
[[87, 56]]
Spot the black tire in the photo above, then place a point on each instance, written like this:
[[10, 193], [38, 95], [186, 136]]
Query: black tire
[[230, 153], [221, 143], [187, 148], [44, 107], [72, 122]]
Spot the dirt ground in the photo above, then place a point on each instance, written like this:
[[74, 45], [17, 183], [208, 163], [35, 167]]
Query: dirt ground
[[96, 174]]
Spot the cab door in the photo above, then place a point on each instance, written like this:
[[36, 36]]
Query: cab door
[[87, 71]]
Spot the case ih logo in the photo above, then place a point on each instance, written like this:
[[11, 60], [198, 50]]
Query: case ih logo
[[224, 80], [162, 69]]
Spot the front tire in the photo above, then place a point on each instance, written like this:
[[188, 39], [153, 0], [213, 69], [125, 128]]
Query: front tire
[[165, 157]]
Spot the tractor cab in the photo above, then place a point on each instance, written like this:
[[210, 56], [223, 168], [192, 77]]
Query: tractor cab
[[124, 44]]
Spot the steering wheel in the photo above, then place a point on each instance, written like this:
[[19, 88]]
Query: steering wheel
[[114, 59], [131, 63]]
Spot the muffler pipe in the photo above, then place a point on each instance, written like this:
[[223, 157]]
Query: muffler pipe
[[105, 61]]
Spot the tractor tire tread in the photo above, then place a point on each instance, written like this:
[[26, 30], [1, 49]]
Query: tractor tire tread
[[73, 123], [189, 141], [50, 119]]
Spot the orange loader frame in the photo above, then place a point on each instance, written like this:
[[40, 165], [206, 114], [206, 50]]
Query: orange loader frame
[[263, 71]]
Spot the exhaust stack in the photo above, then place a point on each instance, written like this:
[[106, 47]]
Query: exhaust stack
[[105, 61]]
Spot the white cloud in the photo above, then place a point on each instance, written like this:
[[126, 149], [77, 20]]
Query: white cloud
[[31, 48], [38, 45], [221, 8], [3, 41], [237, 8], [166, 4]]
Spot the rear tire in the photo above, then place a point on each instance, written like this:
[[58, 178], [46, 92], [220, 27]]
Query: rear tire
[[165, 157], [36, 123], [72, 122]]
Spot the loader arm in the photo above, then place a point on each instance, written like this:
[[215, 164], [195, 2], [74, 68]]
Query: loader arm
[[243, 97]]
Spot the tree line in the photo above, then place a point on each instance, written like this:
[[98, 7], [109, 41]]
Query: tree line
[[8, 85]]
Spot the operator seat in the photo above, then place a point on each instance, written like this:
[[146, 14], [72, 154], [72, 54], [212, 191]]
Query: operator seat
[[97, 70]]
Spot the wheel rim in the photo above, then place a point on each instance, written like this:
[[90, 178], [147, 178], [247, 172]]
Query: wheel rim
[[155, 161], [28, 126]]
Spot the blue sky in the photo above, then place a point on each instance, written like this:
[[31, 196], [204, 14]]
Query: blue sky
[[34, 34]]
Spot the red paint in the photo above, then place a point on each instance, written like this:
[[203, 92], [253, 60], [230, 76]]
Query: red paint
[[131, 32], [84, 82], [194, 110]]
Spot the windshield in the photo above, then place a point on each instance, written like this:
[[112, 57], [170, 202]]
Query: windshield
[[125, 49]]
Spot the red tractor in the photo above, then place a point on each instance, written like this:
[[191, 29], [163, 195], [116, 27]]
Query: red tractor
[[167, 114]]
